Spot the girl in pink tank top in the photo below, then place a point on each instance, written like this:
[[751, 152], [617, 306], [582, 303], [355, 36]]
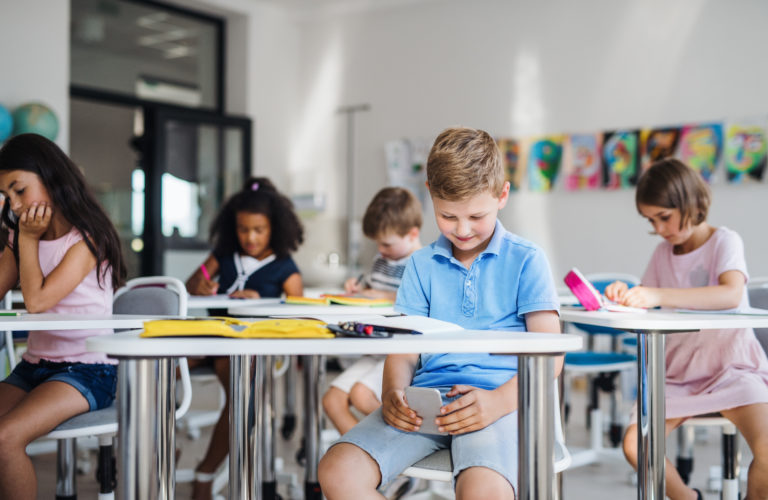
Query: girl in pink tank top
[[698, 266], [65, 254]]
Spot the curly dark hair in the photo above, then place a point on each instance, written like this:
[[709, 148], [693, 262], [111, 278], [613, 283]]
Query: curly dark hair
[[258, 196], [71, 197]]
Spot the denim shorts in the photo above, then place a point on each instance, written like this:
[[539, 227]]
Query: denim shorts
[[494, 447], [96, 382]]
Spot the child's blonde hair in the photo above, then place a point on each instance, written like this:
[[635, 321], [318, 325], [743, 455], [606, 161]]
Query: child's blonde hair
[[670, 183], [392, 209], [464, 162]]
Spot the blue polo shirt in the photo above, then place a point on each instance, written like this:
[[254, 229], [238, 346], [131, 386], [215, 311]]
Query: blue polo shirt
[[509, 279]]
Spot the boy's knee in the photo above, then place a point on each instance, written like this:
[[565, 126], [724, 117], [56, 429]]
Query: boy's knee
[[345, 468]]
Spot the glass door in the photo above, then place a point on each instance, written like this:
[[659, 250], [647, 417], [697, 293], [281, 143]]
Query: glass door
[[192, 161]]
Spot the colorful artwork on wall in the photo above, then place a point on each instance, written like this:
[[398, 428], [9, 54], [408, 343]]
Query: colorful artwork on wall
[[745, 150], [621, 154], [657, 144], [581, 162], [543, 159], [510, 152], [701, 147]]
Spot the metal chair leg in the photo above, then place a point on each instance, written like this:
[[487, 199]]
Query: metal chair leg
[[66, 465]]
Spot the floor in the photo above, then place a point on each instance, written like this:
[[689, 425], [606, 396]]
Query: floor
[[610, 480]]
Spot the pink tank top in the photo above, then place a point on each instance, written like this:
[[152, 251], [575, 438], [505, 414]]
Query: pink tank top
[[87, 298]]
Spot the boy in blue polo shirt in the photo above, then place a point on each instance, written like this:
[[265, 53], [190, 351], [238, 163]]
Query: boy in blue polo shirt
[[477, 275]]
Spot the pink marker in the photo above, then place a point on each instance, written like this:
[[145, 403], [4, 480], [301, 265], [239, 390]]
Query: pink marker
[[205, 272]]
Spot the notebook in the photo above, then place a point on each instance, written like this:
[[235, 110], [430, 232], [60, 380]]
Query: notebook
[[235, 328], [590, 298], [327, 300]]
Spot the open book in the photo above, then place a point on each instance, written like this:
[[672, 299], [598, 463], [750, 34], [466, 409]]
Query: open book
[[343, 300], [398, 324], [590, 298], [235, 328]]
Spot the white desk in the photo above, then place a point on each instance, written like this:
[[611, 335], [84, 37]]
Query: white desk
[[651, 415], [224, 302], [138, 420], [50, 321]]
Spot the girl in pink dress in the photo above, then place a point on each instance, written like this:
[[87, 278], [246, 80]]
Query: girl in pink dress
[[65, 253], [698, 266]]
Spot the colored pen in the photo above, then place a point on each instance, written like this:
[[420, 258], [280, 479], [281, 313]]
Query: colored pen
[[205, 272], [360, 279], [10, 313]]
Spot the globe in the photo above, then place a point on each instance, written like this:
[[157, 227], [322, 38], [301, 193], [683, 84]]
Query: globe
[[35, 118], [6, 124]]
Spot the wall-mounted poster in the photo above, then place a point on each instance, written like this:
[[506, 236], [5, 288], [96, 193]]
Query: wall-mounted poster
[[581, 161], [745, 150], [700, 147], [544, 155], [510, 152], [657, 144], [621, 157]]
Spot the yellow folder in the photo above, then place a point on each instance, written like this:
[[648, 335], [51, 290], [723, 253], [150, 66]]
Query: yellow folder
[[235, 328], [343, 300]]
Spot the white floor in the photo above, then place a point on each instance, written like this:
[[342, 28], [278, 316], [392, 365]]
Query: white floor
[[609, 480]]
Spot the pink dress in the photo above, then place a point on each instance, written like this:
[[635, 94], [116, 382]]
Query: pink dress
[[717, 369], [87, 298]]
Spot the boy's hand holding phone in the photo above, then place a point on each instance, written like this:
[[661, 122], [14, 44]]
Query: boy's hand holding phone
[[397, 413], [474, 410]]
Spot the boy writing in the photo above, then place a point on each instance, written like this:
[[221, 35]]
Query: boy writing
[[479, 276], [393, 221]]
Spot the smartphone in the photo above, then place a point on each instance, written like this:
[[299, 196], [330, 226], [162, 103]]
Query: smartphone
[[426, 402]]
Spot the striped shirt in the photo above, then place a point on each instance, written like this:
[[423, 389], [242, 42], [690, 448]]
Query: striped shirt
[[386, 274]]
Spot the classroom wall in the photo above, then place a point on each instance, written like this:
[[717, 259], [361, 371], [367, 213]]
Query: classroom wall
[[521, 68], [34, 58]]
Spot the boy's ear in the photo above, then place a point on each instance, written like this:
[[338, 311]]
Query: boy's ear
[[413, 233], [504, 197]]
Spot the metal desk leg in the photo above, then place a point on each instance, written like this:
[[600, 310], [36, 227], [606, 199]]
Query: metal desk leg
[[265, 415], [536, 448], [144, 439], [290, 380], [239, 395], [651, 416], [166, 387], [312, 426]]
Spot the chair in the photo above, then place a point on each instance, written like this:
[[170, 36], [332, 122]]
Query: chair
[[602, 370], [156, 296], [438, 467], [728, 483]]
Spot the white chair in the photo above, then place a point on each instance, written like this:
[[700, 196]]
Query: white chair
[[438, 467], [156, 295]]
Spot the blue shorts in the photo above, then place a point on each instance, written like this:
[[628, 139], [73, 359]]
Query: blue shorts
[[494, 447], [96, 382]]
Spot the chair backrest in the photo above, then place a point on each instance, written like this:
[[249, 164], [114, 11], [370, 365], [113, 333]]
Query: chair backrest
[[161, 296], [758, 297], [155, 295]]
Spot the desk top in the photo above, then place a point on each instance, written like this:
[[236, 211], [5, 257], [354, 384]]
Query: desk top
[[225, 302], [658, 320], [300, 310], [129, 344], [52, 321]]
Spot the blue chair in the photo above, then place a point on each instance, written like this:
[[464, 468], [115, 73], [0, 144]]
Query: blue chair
[[602, 370]]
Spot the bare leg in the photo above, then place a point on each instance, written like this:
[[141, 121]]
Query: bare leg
[[10, 395], [346, 472], [750, 420], [34, 415], [479, 483], [363, 398], [218, 446], [676, 489], [336, 406]]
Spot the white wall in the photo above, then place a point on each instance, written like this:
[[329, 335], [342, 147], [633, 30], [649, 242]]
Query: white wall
[[34, 57], [522, 68]]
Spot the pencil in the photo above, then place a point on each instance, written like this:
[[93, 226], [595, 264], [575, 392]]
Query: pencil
[[10, 313], [360, 279], [205, 272]]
